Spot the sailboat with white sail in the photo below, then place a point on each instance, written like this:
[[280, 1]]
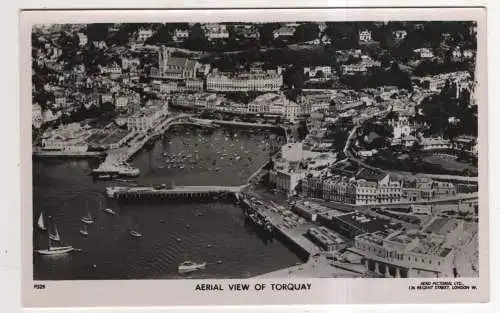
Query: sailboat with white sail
[[41, 223], [55, 235], [55, 249]]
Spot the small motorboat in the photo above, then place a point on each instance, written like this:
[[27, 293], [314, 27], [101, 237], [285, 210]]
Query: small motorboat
[[189, 266], [109, 211], [135, 234]]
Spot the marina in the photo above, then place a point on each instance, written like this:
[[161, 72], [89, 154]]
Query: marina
[[125, 236]]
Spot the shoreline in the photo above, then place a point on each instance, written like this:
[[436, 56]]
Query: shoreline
[[315, 264], [67, 154]]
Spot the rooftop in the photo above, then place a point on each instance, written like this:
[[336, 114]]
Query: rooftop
[[431, 247], [108, 136], [244, 76], [312, 207], [365, 222], [370, 175], [442, 226], [177, 62], [332, 212]]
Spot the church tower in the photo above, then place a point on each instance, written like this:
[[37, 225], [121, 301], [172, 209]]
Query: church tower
[[163, 59]]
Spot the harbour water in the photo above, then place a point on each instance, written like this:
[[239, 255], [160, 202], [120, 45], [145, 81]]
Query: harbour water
[[213, 232]]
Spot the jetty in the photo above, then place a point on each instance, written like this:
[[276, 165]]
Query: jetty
[[165, 192], [117, 157]]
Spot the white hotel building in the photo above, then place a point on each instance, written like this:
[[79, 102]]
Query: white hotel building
[[216, 31], [37, 117], [146, 118], [70, 138], [244, 82], [406, 255]]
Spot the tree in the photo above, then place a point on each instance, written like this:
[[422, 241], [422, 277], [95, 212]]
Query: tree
[[416, 146], [197, 40], [298, 188], [393, 115], [97, 31], [107, 107], [162, 36], [320, 74], [399, 78], [306, 32], [122, 36], [294, 78], [266, 32]]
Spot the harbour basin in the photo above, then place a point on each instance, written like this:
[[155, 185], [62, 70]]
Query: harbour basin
[[173, 232]]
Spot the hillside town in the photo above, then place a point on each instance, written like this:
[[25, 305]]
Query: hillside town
[[378, 174]]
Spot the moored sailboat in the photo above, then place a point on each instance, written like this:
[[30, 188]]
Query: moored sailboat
[[55, 250], [88, 218], [84, 231]]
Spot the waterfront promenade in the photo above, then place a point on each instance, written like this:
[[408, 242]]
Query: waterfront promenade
[[233, 123], [320, 267]]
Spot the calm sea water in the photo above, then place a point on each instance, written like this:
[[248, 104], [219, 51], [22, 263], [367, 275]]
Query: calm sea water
[[172, 232]]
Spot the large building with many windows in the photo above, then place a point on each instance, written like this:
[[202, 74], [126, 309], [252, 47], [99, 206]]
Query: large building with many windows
[[215, 31], [409, 254], [262, 81], [365, 188], [146, 118], [365, 35]]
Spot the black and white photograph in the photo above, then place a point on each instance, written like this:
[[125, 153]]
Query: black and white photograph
[[308, 154], [243, 150]]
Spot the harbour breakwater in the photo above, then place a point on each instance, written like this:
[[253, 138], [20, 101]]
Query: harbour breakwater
[[169, 193]]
